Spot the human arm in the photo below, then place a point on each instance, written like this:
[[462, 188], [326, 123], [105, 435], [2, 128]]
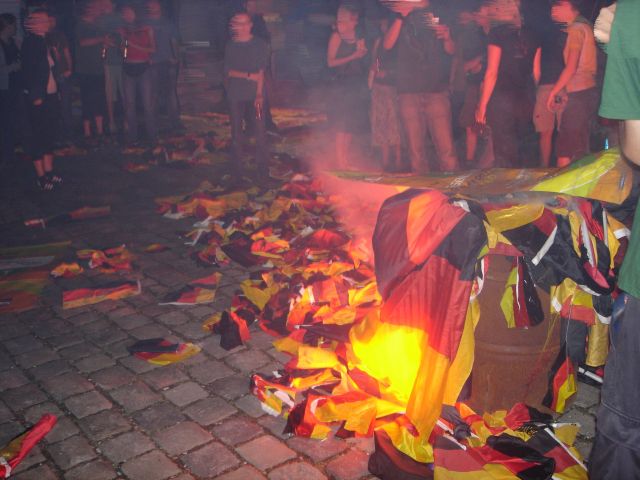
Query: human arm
[[537, 66], [494, 53], [443, 33], [145, 48], [69, 61], [570, 68], [629, 131], [391, 37], [332, 51]]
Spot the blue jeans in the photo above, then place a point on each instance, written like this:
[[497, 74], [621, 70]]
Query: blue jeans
[[427, 122], [131, 85]]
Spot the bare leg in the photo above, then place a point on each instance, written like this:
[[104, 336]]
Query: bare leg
[[385, 157], [47, 162], [563, 161], [39, 166], [99, 126], [341, 149], [545, 147], [397, 156], [86, 128]]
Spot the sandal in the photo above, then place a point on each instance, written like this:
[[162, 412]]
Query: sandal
[[45, 184], [53, 177]]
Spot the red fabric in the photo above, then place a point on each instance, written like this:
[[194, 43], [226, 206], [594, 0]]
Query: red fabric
[[29, 440], [137, 36]]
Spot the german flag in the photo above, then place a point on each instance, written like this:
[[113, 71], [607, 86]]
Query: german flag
[[18, 448], [562, 382], [162, 352], [89, 296]]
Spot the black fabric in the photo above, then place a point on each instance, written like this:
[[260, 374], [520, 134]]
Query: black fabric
[[389, 463], [518, 46], [423, 65], [251, 56], [35, 66], [542, 467], [134, 69], [43, 120], [92, 95], [552, 41]]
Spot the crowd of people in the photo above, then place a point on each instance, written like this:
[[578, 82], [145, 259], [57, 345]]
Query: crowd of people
[[485, 71], [116, 56]]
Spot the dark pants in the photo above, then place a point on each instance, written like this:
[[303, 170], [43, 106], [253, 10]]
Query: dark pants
[[132, 84], [93, 96], [238, 110], [44, 120], [165, 83], [509, 115], [575, 128], [65, 129], [426, 118], [7, 132], [616, 450]]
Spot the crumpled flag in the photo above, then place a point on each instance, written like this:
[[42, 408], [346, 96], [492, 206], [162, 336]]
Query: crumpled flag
[[20, 291], [89, 296], [134, 167], [83, 213], [202, 290], [108, 261], [159, 351], [156, 248], [18, 448], [67, 270]]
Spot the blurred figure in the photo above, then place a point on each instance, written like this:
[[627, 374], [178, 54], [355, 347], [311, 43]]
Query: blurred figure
[[425, 48], [245, 61], [164, 63], [111, 23], [347, 102], [385, 118], [10, 87], [91, 42], [137, 48], [548, 65], [472, 47], [578, 80], [42, 93], [59, 48], [506, 96]]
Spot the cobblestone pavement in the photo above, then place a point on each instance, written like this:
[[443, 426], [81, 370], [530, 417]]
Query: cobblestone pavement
[[121, 417]]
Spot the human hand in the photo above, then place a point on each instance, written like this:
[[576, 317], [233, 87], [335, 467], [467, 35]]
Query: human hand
[[361, 49], [37, 102], [481, 114], [473, 66], [602, 27], [442, 32], [400, 7], [66, 74]]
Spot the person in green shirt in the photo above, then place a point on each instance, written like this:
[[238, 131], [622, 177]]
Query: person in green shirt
[[616, 450]]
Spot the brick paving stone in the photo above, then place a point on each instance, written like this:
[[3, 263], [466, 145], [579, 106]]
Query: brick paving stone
[[161, 378], [209, 411], [209, 371], [96, 470], [587, 422], [12, 378], [66, 385], [317, 450], [158, 416], [260, 340], [364, 444], [122, 312], [36, 357], [150, 331], [247, 360], [132, 321], [10, 430], [5, 361], [126, 446], [250, 405], [5, 413], [150, 466], [173, 318], [237, 430], [63, 429], [21, 398], [246, 472], [63, 341], [50, 370], [231, 387], [184, 476], [210, 461], [104, 425], [96, 326], [87, 404], [211, 345], [23, 344], [35, 457], [279, 356], [71, 452], [584, 446], [135, 396], [153, 310], [265, 452], [41, 472], [191, 331], [106, 337], [49, 327], [78, 318], [185, 393], [137, 365], [94, 363], [276, 425], [588, 396], [112, 377], [12, 330], [76, 352], [182, 437], [119, 349], [296, 471], [351, 466]]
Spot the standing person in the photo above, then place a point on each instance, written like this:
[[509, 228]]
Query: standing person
[[245, 61], [164, 62], [347, 110], [138, 46], [385, 118], [59, 48], [422, 80], [111, 23], [10, 86], [616, 450], [41, 89], [549, 64], [578, 79], [506, 96], [91, 41]]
